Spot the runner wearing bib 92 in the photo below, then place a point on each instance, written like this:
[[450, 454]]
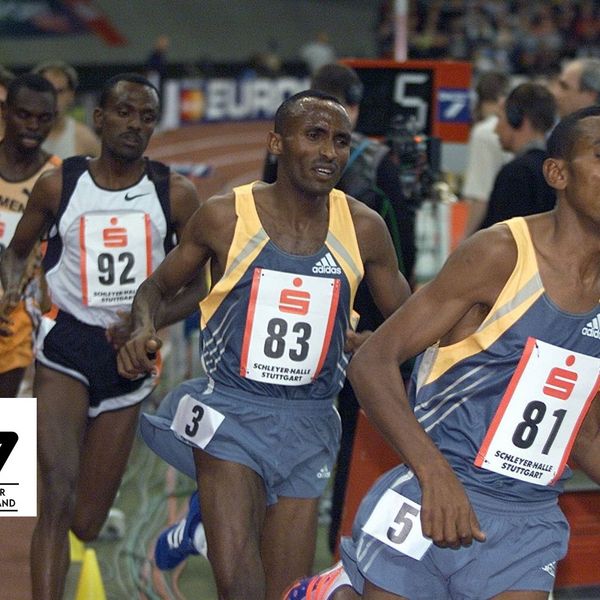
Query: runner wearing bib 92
[[110, 221], [504, 394], [286, 259]]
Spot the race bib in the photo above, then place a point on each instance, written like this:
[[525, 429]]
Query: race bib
[[116, 256], [396, 521], [288, 327], [8, 225], [541, 412], [195, 421]]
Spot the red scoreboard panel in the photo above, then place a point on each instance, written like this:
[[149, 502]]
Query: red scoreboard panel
[[435, 93]]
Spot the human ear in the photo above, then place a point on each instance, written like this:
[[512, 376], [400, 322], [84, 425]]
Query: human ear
[[555, 173], [98, 118], [274, 143]]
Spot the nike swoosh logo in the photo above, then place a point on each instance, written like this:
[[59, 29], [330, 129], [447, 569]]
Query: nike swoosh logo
[[128, 197]]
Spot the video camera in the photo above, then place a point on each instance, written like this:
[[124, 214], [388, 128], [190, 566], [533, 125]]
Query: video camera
[[417, 157]]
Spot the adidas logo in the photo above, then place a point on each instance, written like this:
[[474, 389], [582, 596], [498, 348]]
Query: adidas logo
[[550, 568], [592, 329], [324, 473], [327, 265]]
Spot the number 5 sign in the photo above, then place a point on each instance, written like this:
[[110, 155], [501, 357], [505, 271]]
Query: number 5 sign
[[396, 521]]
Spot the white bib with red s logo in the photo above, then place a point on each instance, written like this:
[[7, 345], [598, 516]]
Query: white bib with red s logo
[[116, 256], [535, 426], [288, 327]]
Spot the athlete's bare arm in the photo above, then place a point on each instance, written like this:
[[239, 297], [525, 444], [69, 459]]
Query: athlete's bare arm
[[40, 210], [387, 285], [207, 235], [183, 203], [448, 308], [586, 450]]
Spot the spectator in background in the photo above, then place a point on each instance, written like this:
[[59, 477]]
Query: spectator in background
[[68, 137], [520, 188], [6, 77], [317, 52], [485, 155], [577, 86], [384, 29], [156, 63]]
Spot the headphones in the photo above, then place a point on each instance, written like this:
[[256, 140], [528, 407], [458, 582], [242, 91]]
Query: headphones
[[514, 114]]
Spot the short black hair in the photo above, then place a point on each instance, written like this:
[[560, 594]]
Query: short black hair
[[534, 101], [491, 86], [286, 109], [30, 81], [565, 135], [111, 83], [340, 81]]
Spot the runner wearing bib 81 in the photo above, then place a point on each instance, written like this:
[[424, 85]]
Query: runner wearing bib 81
[[286, 260], [504, 394]]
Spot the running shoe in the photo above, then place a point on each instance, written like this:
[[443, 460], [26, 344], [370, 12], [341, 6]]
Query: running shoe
[[176, 543], [317, 587]]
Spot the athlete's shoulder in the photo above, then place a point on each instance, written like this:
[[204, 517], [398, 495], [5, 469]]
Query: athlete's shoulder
[[219, 206], [363, 216], [178, 183]]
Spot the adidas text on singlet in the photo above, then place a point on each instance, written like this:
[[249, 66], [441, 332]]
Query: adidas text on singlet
[[274, 324]]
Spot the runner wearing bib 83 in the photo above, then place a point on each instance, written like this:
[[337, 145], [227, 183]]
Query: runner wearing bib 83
[[286, 259]]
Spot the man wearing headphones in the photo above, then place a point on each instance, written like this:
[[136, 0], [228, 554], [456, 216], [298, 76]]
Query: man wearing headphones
[[520, 188]]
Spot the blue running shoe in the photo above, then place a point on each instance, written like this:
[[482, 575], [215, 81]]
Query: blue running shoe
[[176, 543]]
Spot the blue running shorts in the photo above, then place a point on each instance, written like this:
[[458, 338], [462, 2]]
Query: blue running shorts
[[524, 542], [291, 444]]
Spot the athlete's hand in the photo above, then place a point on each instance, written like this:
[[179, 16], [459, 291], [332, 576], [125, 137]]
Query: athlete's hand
[[138, 356], [447, 516], [355, 339], [118, 333]]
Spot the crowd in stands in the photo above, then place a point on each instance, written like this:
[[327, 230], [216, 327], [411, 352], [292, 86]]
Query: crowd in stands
[[517, 36]]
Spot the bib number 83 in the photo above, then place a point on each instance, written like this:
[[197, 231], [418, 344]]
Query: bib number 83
[[275, 343]]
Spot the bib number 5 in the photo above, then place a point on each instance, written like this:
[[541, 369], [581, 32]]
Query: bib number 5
[[396, 521]]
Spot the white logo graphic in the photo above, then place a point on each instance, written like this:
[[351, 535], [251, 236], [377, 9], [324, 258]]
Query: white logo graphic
[[592, 329], [550, 568], [324, 473], [327, 265]]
